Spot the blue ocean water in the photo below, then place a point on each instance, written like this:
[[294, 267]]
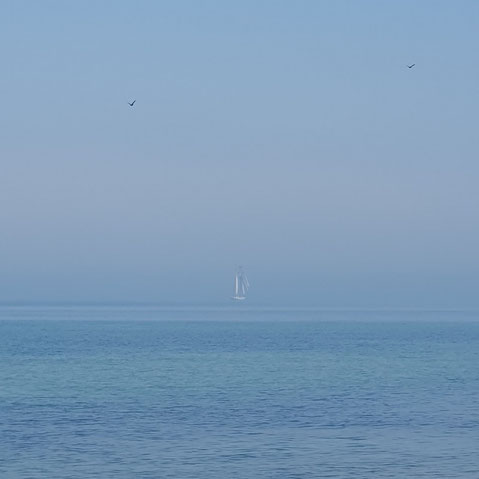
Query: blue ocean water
[[130, 392]]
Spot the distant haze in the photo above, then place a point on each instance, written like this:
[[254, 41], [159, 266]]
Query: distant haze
[[288, 137]]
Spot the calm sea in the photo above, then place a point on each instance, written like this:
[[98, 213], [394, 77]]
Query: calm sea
[[196, 393]]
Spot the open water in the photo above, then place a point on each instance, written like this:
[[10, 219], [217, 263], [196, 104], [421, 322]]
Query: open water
[[223, 393]]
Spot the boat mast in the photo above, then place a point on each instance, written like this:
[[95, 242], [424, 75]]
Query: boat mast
[[241, 284]]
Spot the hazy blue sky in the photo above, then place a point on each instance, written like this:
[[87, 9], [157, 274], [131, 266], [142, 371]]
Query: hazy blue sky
[[286, 136]]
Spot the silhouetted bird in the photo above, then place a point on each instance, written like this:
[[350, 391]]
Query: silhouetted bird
[[132, 103], [410, 66]]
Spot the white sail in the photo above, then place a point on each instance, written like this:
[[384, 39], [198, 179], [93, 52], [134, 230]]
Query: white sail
[[241, 284]]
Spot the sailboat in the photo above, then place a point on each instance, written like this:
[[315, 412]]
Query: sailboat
[[241, 285]]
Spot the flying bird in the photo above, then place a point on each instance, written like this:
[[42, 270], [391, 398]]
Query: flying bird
[[410, 66], [132, 103]]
